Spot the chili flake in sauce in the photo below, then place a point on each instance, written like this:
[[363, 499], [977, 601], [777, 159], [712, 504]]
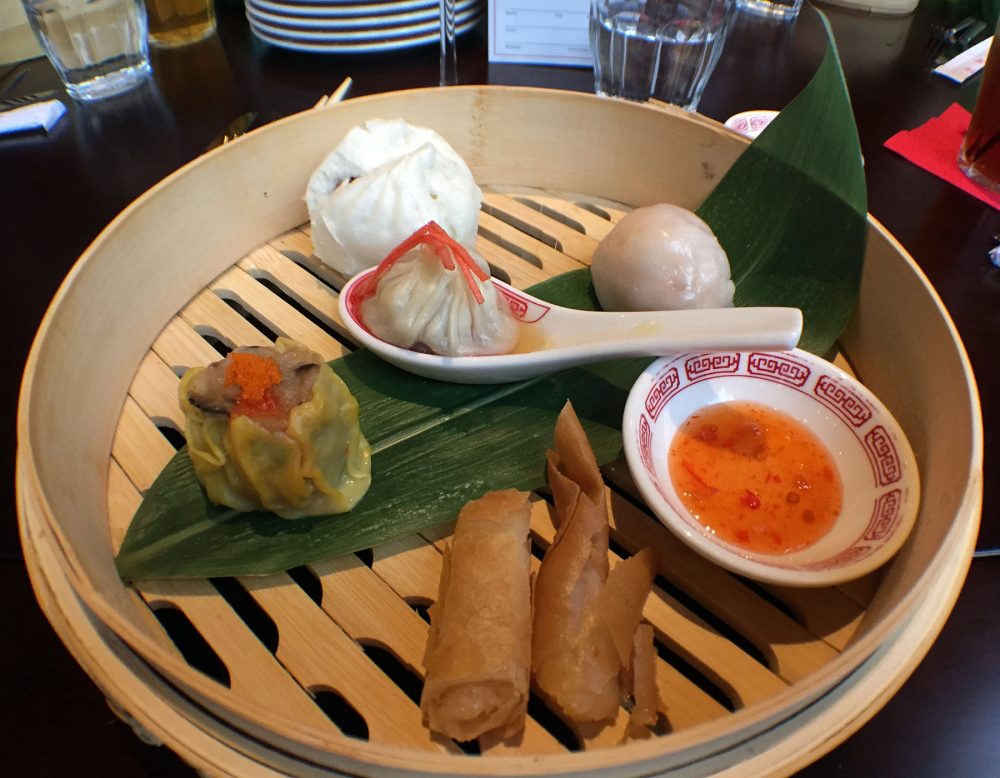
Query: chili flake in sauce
[[755, 477]]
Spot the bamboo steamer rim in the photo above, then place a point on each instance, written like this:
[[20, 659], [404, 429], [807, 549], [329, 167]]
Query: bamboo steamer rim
[[697, 740], [60, 605]]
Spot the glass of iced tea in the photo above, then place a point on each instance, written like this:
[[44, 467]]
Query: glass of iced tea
[[979, 157], [179, 22]]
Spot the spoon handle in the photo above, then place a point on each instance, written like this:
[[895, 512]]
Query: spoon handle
[[669, 332]]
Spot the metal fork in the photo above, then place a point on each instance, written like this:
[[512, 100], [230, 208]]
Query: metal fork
[[10, 77], [949, 35], [946, 42], [242, 124], [237, 127], [21, 100]]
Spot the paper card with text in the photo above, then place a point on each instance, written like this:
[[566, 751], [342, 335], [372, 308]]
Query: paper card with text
[[539, 32]]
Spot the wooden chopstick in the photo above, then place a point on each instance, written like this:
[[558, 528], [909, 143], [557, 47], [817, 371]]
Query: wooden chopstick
[[336, 95]]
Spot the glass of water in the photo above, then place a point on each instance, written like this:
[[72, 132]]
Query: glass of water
[[449, 53], [98, 47], [665, 49], [784, 10]]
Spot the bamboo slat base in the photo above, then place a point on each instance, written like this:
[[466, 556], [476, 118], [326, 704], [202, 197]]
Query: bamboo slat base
[[318, 669], [338, 646]]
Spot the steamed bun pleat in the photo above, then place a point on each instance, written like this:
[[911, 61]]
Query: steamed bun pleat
[[385, 180]]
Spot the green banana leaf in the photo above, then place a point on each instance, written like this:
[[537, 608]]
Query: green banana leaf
[[791, 214], [435, 446]]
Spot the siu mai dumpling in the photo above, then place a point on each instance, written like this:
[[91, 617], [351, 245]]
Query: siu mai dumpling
[[275, 429], [661, 258], [382, 182], [432, 294]]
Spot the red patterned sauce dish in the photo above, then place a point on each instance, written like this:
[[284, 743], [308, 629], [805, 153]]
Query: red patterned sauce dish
[[780, 467]]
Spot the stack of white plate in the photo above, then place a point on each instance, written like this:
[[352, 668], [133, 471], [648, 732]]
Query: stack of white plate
[[354, 26]]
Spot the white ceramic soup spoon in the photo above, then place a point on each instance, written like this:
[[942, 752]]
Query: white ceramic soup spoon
[[553, 338]]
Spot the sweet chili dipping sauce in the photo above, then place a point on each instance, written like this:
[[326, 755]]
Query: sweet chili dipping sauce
[[755, 477]]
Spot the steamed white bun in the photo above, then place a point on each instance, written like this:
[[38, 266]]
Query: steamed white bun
[[661, 258], [384, 180]]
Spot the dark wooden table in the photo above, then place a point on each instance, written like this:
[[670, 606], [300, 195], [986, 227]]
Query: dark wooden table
[[57, 192]]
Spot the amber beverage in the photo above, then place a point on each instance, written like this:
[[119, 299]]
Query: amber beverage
[[179, 22], [979, 158]]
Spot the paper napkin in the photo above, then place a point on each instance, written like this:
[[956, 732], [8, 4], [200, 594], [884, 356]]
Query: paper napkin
[[37, 116], [934, 146]]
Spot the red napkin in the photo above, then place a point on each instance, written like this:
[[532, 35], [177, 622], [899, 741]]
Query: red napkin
[[934, 147]]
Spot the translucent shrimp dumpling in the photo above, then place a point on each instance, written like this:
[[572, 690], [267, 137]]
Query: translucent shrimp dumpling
[[661, 258]]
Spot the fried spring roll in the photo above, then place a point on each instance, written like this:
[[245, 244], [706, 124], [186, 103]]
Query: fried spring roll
[[574, 456], [585, 619], [641, 679], [623, 598], [573, 659], [478, 650]]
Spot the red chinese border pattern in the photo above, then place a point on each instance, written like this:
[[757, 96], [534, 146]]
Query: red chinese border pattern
[[709, 365], [666, 385], [778, 368], [883, 455], [523, 309], [845, 403], [845, 557], [842, 401], [885, 516], [646, 445]]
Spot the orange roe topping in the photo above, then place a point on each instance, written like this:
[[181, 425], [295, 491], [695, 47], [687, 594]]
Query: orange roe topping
[[255, 375]]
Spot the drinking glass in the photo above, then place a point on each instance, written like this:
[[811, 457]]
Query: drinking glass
[[979, 157], [665, 49], [785, 10], [449, 54], [175, 23], [98, 47]]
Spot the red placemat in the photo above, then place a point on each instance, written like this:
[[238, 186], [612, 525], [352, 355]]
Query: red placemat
[[934, 146]]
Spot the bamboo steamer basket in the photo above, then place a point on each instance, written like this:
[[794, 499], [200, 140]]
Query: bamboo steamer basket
[[161, 715], [779, 660]]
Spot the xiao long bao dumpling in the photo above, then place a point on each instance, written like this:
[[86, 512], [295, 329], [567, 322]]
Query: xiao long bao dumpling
[[432, 294], [275, 429], [385, 179], [661, 258]]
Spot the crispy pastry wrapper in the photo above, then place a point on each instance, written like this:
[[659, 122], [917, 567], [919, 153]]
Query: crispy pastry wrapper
[[478, 651], [623, 598], [640, 679], [585, 618], [574, 456]]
